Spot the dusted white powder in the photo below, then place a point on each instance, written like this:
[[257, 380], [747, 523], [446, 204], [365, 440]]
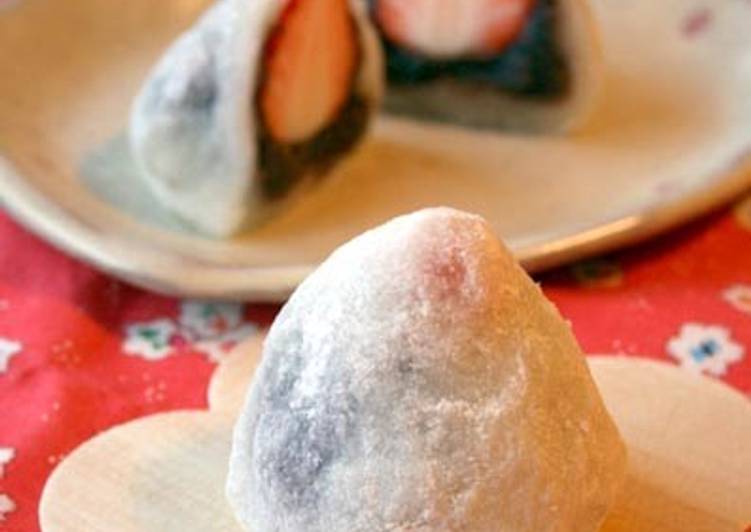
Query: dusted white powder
[[420, 381]]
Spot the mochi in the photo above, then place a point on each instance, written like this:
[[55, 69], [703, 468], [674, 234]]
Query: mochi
[[253, 105], [419, 380]]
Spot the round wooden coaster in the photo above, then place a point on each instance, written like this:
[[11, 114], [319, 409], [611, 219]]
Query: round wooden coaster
[[163, 473], [688, 440], [230, 379], [689, 465]]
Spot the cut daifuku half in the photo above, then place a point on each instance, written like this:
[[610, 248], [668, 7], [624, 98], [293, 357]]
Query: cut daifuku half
[[257, 98], [531, 65], [420, 381]]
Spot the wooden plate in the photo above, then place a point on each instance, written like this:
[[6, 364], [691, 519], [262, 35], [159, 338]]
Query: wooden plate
[[687, 438], [670, 141]]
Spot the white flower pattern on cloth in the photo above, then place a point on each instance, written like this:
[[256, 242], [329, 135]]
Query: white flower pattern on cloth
[[8, 349], [705, 348], [739, 296], [216, 348], [6, 455], [206, 319], [212, 328], [150, 340], [6, 506]]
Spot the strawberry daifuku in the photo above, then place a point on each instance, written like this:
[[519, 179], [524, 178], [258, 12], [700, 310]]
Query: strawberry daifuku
[[309, 68], [453, 28], [419, 380], [498, 64], [256, 99]]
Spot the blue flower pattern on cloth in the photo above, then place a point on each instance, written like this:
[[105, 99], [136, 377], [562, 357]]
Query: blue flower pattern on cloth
[[706, 349]]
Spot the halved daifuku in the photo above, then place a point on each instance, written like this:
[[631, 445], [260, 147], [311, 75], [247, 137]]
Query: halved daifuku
[[419, 380], [258, 97], [529, 65]]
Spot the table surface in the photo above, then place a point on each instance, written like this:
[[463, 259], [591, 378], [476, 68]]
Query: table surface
[[81, 352]]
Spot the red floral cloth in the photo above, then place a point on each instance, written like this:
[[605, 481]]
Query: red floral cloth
[[81, 352]]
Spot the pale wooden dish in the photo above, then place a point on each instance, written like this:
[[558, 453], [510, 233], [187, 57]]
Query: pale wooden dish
[[669, 142], [687, 437]]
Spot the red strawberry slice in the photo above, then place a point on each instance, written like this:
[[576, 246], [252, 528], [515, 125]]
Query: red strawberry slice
[[310, 61], [453, 28]]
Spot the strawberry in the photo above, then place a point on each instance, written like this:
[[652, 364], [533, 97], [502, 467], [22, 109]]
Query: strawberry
[[453, 28], [309, 67]]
